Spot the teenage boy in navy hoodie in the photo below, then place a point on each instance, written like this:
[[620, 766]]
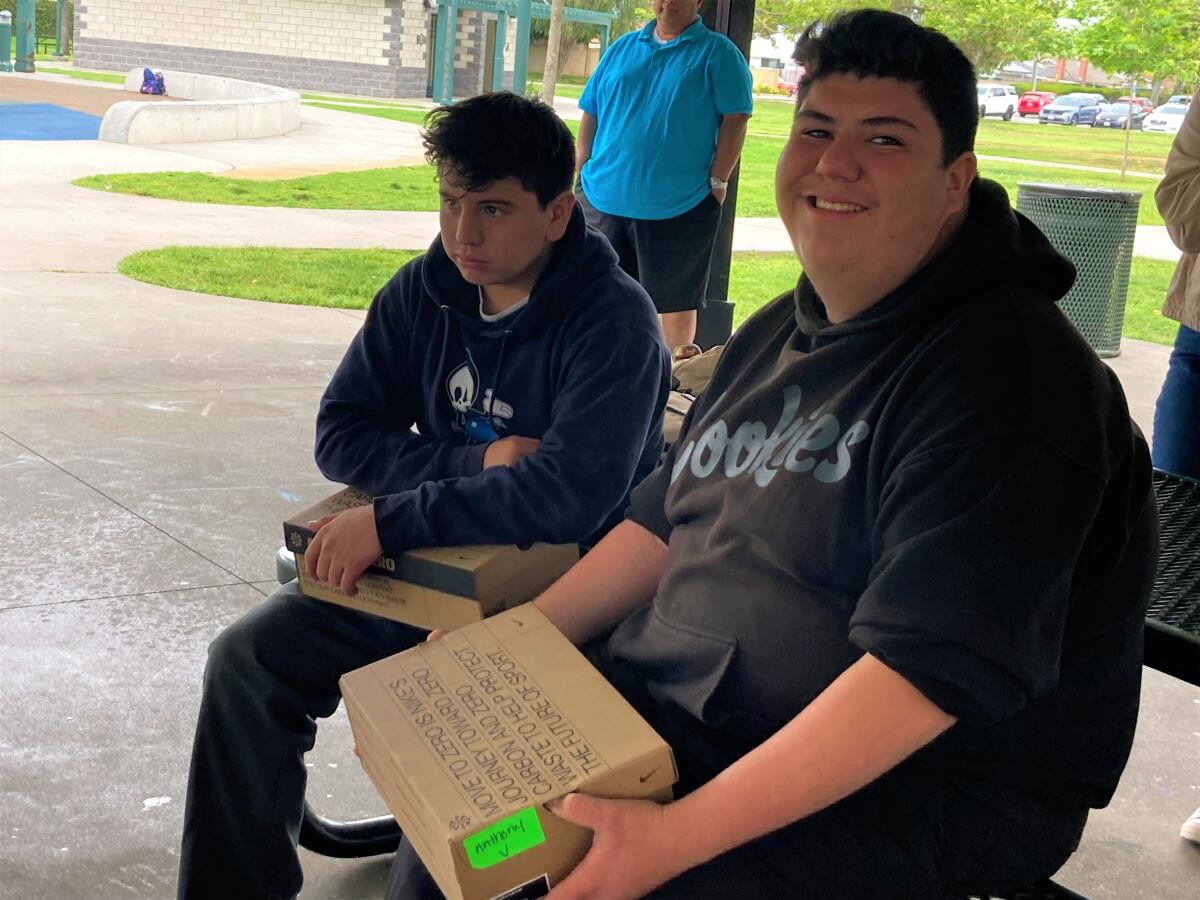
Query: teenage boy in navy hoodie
[[533, 370]]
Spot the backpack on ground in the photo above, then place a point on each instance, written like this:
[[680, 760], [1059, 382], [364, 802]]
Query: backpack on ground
[[153, 82], [689, 378]]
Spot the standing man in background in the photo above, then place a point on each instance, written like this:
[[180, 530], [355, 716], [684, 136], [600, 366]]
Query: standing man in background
[[664, 119]]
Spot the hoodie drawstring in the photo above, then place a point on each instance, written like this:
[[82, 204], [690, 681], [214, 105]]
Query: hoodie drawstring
[[496, 380], [441, 366]]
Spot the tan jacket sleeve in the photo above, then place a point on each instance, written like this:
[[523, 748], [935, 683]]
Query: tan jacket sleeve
[[1178, 194]]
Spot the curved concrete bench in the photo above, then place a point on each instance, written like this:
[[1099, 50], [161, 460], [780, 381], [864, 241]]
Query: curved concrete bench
[[210, 108]]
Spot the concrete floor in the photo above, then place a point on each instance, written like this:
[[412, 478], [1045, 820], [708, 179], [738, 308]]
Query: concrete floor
[[151, 443]]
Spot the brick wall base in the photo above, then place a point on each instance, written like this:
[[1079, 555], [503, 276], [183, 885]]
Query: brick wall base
[[282, 71]]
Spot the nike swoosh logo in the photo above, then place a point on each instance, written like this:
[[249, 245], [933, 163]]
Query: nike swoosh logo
[[644, 778]]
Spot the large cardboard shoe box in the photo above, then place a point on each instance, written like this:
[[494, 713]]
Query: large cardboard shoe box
[[468, 737], [435, 587]]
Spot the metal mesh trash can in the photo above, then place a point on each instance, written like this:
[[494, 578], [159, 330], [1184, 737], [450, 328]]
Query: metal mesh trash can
[[1094, 228]]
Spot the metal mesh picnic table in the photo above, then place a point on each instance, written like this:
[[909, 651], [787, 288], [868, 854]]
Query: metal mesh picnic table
[[1173, 619]]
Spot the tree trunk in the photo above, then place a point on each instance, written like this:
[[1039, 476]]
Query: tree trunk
[[1156, 88], [550, 75], [565, 46], [1037, 62]]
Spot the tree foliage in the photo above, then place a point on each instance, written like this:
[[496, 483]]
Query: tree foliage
[[995, 32], [1151, 37], [991, 32], [630, 14]]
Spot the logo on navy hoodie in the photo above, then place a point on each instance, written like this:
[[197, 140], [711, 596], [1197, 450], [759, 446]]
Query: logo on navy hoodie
[[479, 425]]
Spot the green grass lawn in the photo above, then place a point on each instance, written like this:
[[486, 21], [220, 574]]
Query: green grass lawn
[[113, 78], [346, 279], [38, 54], [412, 114], [562, 89], [350, 278], [411, 188], [1101, 147], [405, 188], [373, 101]]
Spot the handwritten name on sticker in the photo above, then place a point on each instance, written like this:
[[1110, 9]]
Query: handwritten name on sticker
[[504, 839]]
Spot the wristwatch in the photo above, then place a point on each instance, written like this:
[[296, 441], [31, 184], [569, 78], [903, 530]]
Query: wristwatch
[[714, 182]]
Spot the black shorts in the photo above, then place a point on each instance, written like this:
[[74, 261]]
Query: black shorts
[[668, 257]]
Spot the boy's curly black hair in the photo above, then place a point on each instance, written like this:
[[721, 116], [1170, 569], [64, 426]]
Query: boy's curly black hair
[[501, 135], [873, 43]]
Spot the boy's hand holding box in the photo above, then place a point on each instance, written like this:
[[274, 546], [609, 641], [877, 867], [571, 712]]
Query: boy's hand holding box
[[468, 737], [436, 587]]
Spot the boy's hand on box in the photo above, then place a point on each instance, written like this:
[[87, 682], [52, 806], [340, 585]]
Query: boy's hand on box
[[344, 545], [634, 848]]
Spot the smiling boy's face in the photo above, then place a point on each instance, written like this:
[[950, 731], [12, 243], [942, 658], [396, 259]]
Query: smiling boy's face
[[499, 237], [860, 185]]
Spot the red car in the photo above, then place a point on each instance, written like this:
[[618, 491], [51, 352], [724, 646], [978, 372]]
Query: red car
[[1143, 102], [1031, 102], [789, 78]]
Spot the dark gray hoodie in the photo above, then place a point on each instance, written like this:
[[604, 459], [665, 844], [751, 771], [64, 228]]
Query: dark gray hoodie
[[950, 482]]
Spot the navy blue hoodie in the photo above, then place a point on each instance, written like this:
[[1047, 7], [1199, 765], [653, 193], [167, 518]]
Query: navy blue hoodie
[[581, 367]]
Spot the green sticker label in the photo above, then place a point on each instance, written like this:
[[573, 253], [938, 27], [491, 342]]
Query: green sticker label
[[504, 839]]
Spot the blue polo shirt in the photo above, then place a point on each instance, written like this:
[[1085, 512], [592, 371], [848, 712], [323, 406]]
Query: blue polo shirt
[[658, 108]]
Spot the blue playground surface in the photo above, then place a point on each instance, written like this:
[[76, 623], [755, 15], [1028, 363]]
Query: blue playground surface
[[46, 122]]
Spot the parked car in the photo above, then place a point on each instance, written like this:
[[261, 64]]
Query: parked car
[[1115, 115], [1143, 102], [1072, 109], [1032, 102], [789, 78], [997, 100], [1185, 99], [1167, 118]]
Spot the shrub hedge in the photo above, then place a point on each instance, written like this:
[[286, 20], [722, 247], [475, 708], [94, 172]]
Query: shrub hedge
[[45, 16]]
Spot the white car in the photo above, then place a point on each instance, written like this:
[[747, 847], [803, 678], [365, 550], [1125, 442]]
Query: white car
[[996, 100], [1167, 118]]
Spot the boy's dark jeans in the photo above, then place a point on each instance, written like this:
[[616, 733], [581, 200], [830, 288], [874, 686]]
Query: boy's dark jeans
[[270, 676]]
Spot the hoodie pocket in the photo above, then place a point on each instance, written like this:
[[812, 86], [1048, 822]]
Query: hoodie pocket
[[682, 664]]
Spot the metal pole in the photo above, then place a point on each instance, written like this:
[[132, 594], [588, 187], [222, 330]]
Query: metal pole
[[60, 29], [439, 30], [449, 51], [26, 46], [5, 41], [603, 39], [443, 59], [735, 19], [522, 57], [498, 50], [1129, 126]]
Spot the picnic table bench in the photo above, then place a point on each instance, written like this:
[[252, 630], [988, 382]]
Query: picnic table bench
[[1173, 619]]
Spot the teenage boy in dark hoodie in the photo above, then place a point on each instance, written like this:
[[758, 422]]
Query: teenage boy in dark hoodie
[[885, 595], [533, 370]]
